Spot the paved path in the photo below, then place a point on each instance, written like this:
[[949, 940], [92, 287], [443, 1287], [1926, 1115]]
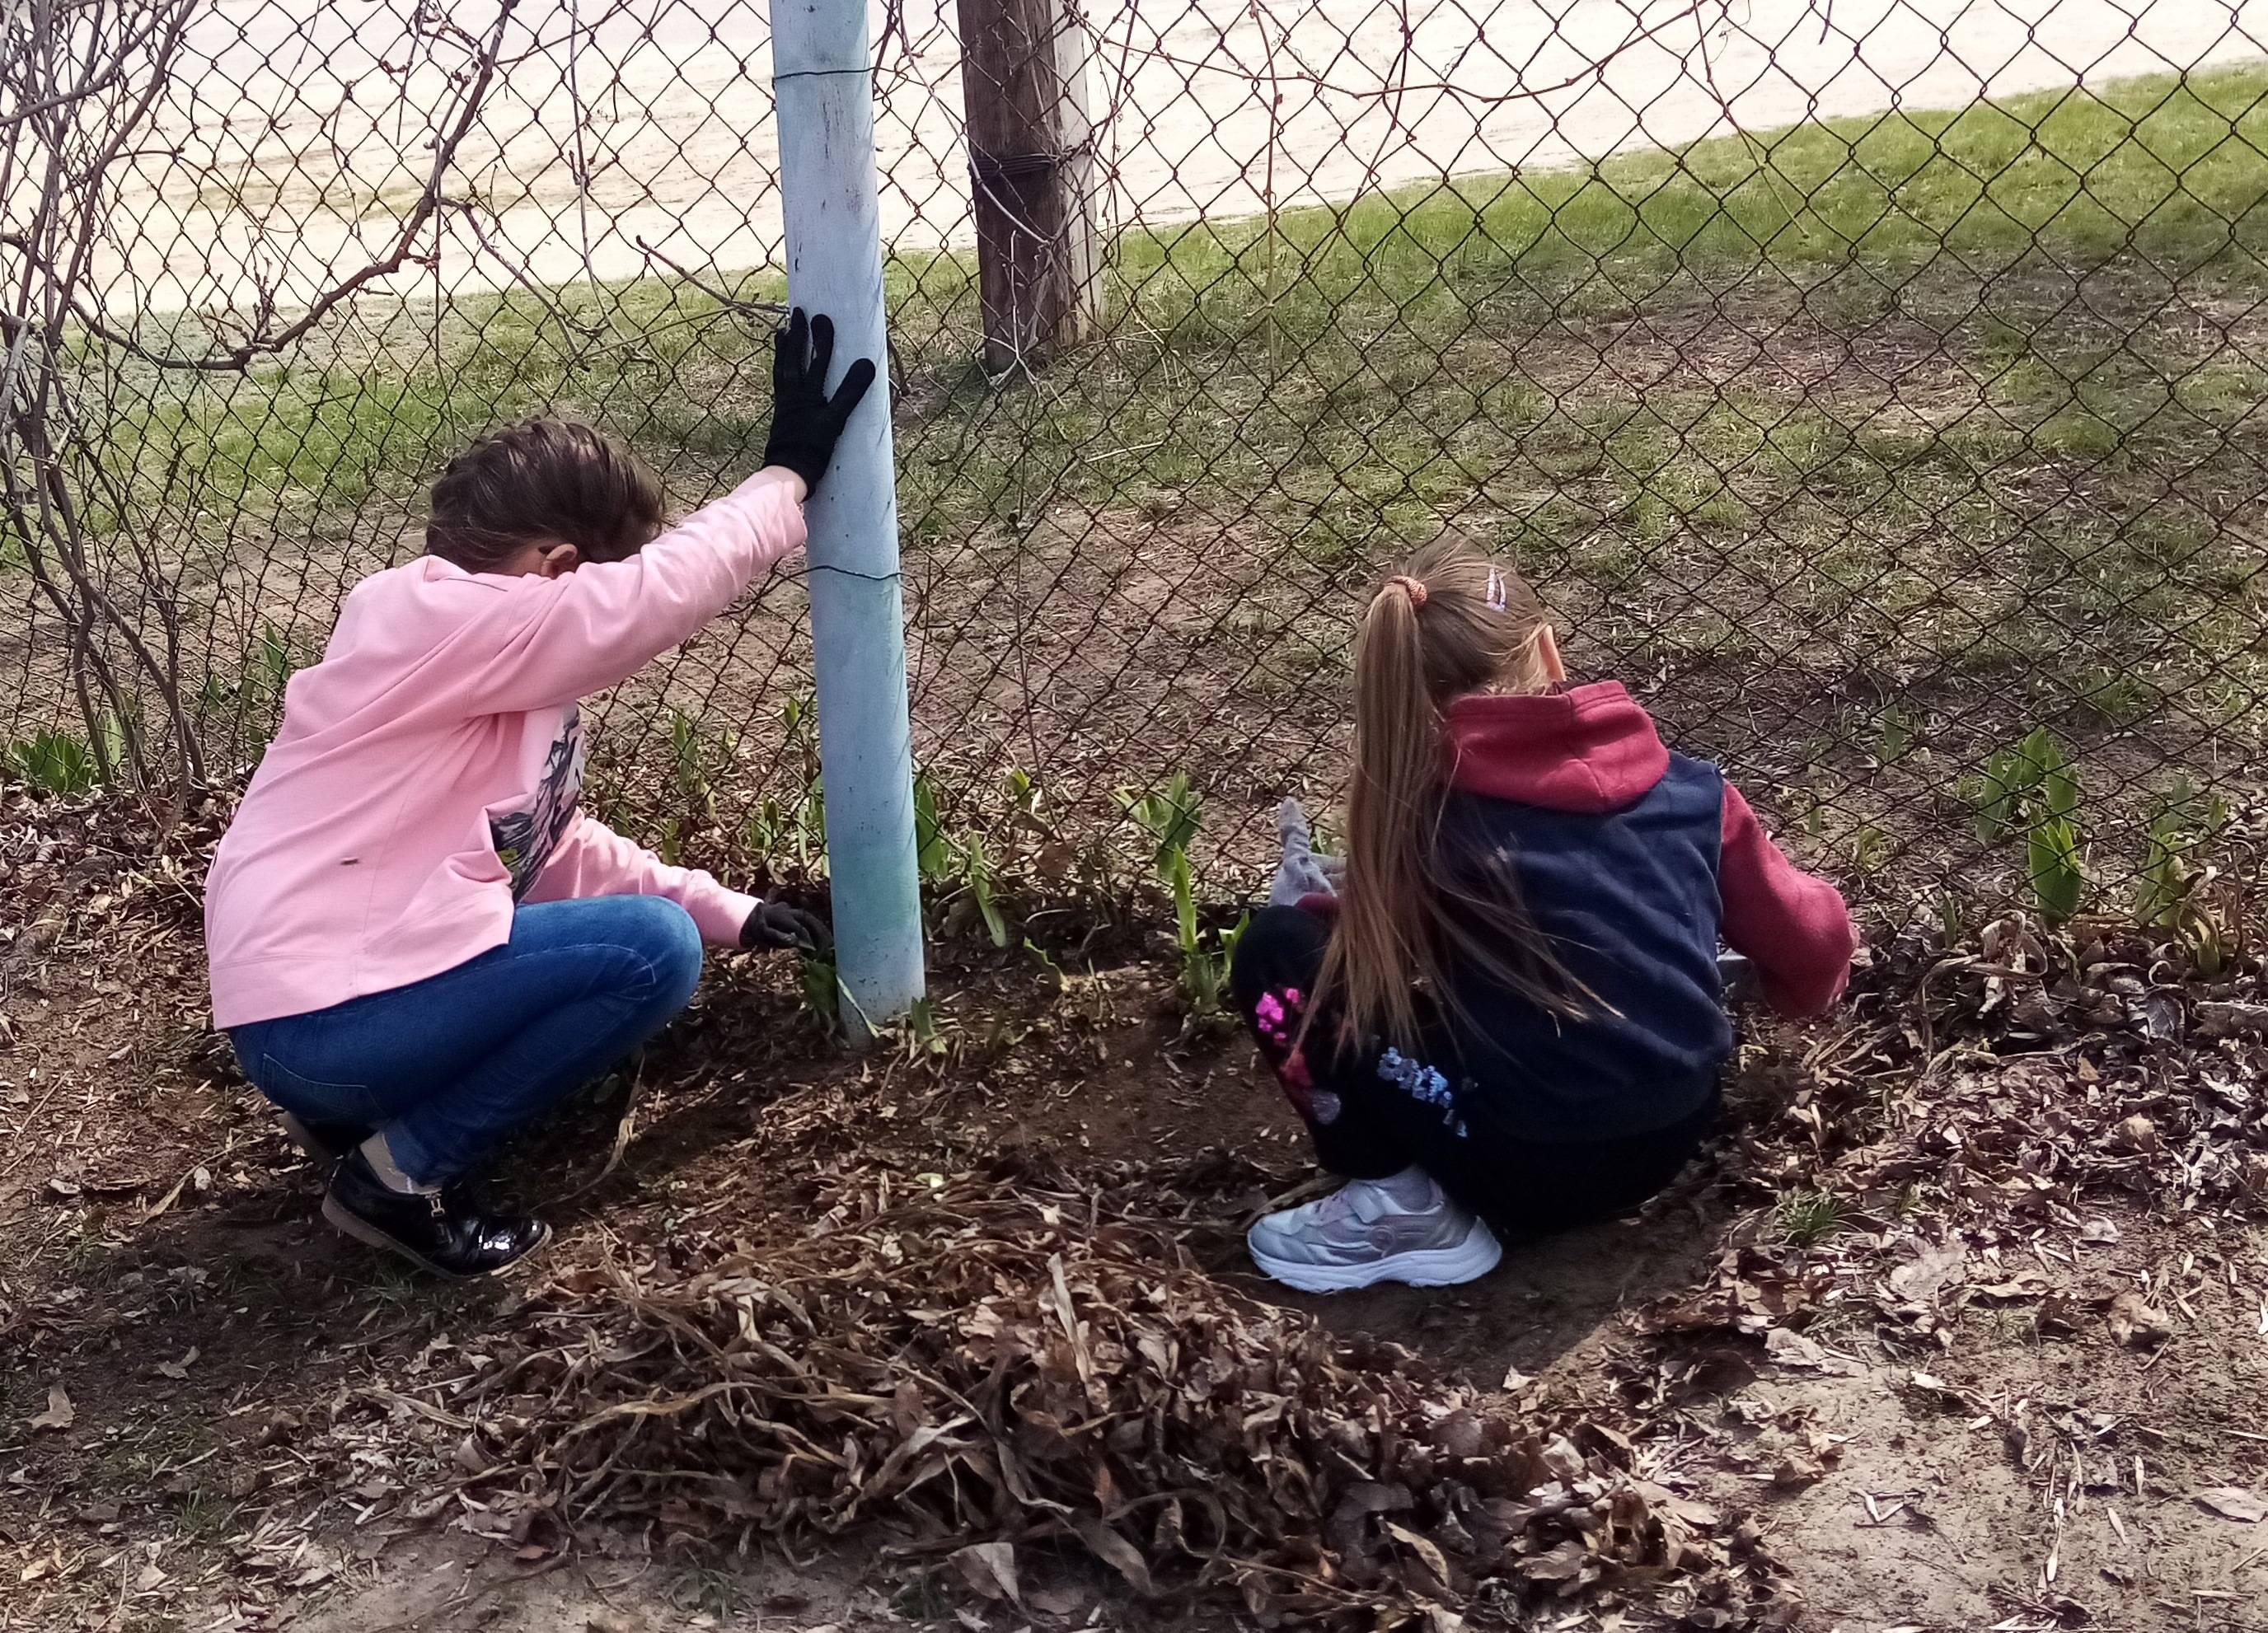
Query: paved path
[[1210, 109]]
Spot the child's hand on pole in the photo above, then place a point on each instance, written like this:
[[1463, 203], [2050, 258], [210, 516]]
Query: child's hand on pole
[[777, 927], [807, 422]]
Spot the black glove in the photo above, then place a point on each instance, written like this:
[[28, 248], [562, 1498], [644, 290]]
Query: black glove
[[807, 422], [777, 924]]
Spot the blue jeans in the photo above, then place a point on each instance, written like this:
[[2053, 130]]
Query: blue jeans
[[447, 1066]]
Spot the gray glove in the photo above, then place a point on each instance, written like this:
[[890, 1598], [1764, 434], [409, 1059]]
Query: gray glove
[[1301, 872]]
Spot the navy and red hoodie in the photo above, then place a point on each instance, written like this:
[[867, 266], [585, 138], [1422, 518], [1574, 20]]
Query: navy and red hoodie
[[1636, 862]]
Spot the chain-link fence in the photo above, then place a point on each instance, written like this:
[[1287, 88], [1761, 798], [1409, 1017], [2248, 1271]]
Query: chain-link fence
[[1876, 387]]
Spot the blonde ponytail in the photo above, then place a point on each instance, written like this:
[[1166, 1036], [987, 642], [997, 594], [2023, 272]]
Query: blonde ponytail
[[1391, 803], [1451, 623]]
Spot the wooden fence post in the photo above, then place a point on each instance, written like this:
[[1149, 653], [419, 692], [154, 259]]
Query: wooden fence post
[[1031, 163]]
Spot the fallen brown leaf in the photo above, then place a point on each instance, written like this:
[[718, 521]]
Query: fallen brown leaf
[[1115, 1551], [2137, 1323], [2136, 1134], [990, 1569], [1933, 1265], [1793, 1349], [1435, 1563], [2232, 1503], [60, 1415], [1796, 1471], [2228, 1019]]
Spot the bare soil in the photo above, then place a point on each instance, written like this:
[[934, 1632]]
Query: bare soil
[[1959, 1325]]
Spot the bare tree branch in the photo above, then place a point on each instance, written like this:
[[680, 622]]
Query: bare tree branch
[[102, 80], [431, 200], [88, 86]]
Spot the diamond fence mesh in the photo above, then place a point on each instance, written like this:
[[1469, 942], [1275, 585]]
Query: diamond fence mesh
[[1876, 388]]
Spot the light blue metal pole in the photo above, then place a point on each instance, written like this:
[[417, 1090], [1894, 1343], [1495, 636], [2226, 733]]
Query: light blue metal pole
[[822, 80]]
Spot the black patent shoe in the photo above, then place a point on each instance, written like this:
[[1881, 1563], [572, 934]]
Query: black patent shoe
[[432, 1230]]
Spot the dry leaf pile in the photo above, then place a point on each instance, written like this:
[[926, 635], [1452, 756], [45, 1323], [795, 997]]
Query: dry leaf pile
[[998, 1374], [1955, 1143], [2006, 1086]]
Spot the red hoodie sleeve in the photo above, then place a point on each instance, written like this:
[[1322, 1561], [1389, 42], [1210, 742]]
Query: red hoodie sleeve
[[1793, 927]]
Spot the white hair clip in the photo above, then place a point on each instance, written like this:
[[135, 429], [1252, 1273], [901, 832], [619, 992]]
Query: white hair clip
[[1496, 590]]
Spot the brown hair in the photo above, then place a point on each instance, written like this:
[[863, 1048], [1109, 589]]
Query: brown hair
[[1449, 623], [542, 480]]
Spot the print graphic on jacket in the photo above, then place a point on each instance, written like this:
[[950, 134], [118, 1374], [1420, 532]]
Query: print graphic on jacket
[[524, 840]]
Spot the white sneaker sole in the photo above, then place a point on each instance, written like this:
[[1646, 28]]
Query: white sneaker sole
[[1433, 1266]]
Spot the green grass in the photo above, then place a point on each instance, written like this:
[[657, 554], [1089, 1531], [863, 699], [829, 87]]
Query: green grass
[[1954, 398], [1807, 1218], [1402, 325], [710, 1590]]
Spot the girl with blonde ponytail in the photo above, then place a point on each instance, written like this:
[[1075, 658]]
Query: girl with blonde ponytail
[[1503, 1011]]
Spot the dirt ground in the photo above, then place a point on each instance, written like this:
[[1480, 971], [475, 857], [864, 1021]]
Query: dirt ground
[[1961, 1325]]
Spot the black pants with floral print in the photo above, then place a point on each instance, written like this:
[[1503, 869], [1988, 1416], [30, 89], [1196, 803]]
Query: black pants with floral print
[[1373, 1111]]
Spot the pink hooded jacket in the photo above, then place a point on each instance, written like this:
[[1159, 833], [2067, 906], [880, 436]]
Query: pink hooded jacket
[[427, 772]]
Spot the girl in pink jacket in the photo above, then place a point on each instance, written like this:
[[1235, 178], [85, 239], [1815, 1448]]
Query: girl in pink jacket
[[418, 941]]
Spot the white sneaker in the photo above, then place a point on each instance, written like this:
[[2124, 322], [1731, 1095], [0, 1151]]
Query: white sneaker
[[1366, 1232]]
